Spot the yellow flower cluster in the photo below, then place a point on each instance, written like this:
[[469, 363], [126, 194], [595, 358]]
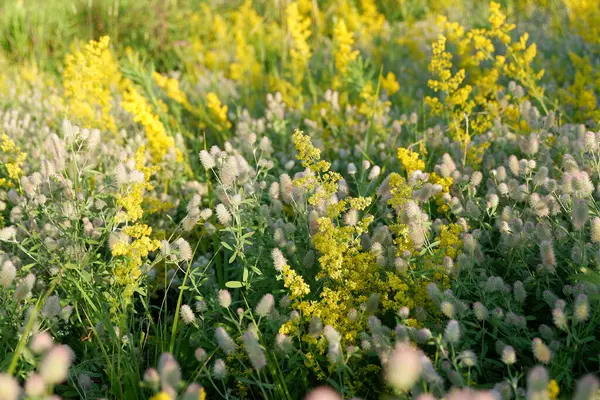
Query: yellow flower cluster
[[161, 396], [299, 30], [294, 283], [127, 270], [469, 96], [136, 243], [580, 96], [445, 183], [218, 112], [584, 17], [171, 87], [12, 160], [400, 193], [390, 84], [343, 41], [455, 96], [88, 78], [159, 141], [450, 241], [323, 178], [349, 275], [246, 68], [132, 201], [553, 390], [410, 160], [371, 19]]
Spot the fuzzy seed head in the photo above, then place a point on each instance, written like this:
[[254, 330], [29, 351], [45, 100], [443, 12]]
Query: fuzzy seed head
[[559, 318], [481, 312], [468, 358], [207, 160], [509, 356], [579, 213], [279, 260], [595, 231], [403, 367], [34, 386], [223, 214], [581, 310], [476, 178], [587, 388], [9, 387], [265, 305], [8, 234], [541, 352], [423, 335], [374, 173], [187, 315], [225, 341], [519, 292], [55, 365], [283, 343], [452, 332], [254, 351], [7, 274], [323, 393], [200, 354], [547, 254], [219, 369], [537, 383], [448, 309], [224, 298]]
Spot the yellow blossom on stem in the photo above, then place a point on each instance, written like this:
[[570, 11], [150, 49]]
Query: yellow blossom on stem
[[12, 159], [298, 29], [88, 78], [171, 86], [410, 160], [218, 111], [343, 41], [390, 84], [133, 243], [553, 390], [295, 283], [158, 140]]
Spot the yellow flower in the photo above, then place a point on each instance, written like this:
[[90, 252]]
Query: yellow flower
[[246, 69], [161, 396], [171, 86], [343, 41], [450, 241], [88, 78], [372, 20], [553, 389], [298, 29], [158, 140], [13, 159], [295, 283], [390, 84], [410, 160], [131, 255], [584, 17], [217, 111]]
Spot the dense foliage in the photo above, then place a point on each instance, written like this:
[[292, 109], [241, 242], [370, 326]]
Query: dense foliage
[[331, 199]]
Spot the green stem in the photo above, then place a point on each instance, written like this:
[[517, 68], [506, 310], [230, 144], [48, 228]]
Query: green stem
[[30, 322], [179, 299]]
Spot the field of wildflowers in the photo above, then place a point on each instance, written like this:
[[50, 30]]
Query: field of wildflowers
[[300, 199]]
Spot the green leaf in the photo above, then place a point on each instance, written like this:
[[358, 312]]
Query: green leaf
[[234, 284]]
